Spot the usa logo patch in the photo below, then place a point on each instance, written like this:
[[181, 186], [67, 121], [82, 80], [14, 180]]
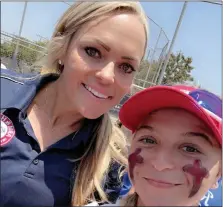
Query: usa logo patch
[[7, 130]]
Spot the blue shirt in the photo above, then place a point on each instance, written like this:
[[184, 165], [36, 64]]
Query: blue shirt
[[30, 177]]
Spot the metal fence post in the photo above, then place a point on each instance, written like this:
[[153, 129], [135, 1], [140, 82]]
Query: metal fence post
[[154, 51], [14, 58]]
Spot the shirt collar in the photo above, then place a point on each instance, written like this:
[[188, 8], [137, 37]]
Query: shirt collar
[[25, 94], [79, 141]]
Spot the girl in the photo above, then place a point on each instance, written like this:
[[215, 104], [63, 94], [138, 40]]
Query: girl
[[175, 153]]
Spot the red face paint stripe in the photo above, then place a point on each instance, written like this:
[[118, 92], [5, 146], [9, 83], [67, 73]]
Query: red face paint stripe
[[198, 172], [133, 159]]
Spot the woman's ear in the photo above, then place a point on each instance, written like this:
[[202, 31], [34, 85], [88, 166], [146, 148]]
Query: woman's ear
[[130, 89]]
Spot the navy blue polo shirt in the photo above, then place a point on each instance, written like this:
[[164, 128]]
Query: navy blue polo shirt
[[30, 177]]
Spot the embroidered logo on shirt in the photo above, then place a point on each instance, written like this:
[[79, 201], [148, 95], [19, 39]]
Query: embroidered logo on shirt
[[7, 130]]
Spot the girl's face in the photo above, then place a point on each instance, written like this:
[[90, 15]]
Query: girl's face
[[170, 139], [101, 62]]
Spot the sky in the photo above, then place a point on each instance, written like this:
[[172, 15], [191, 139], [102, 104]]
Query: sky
[[199, 36]]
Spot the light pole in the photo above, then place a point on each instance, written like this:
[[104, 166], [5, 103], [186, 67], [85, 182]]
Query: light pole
[[172, 44], [14, 58]]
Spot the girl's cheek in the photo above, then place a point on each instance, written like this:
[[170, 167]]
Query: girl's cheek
[[134, 159], [198, 172]]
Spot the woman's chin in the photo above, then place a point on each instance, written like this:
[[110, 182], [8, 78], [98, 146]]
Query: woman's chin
[[91, 114]]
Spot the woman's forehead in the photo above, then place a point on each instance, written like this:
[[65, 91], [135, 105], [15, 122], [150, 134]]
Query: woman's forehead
[[118, 30]]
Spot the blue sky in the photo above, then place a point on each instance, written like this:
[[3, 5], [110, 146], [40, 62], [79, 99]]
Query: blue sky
[[199, 36]]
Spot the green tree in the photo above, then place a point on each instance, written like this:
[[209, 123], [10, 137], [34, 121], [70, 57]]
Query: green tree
[[178, 69], [28, 53]]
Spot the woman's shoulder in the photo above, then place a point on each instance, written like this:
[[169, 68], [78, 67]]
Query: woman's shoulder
[[16, 77], [11, 84]]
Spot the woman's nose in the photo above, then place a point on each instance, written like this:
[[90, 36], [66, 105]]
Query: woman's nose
[[107, 74]]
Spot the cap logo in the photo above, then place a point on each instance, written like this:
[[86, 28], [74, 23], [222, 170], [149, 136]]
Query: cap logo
[[185, 91]]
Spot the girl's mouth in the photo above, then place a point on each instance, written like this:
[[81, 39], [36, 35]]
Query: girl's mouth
[[160, 184]]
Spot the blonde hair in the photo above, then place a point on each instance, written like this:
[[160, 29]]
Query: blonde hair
[[109, 143]]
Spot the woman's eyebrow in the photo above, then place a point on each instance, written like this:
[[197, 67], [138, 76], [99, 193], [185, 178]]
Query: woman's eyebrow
[[200, 135], [129, 58], [107, 48]]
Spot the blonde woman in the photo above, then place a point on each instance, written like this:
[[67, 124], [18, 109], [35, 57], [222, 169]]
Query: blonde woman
[[175, 153], [57, 142]]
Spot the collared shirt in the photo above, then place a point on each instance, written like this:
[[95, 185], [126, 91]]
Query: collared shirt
[[30, 177]]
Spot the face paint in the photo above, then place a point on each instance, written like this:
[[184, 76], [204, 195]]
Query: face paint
[[198, 172], [133, 159]]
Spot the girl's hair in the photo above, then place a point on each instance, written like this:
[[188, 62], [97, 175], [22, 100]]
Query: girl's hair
[[109, 143], [130, 200]]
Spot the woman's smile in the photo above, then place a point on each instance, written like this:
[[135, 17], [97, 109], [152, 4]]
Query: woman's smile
[[96, 93]]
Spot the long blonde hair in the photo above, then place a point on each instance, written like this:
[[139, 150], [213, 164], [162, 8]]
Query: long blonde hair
[[109, 142]]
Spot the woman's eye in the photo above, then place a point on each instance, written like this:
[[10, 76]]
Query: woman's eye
[[147, 141], [127, 68], [191, 149], [93, 52]]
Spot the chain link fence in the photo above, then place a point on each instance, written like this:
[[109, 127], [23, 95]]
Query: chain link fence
[[29, 53], [152, 64]]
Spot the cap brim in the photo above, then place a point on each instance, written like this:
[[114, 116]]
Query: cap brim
[[135, 110]]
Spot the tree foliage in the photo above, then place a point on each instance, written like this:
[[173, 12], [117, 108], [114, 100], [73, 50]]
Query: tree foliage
[[28, 52], [178, 69]]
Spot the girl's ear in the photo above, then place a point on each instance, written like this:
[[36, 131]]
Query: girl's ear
[[219, 175], [215, 185]]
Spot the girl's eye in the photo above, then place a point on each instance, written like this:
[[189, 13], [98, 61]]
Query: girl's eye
[[127, 68], [147, 140], [93, 52], [190, 149]]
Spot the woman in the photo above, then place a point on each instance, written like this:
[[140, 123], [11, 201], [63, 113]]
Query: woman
[[175, 153], [57, 139]]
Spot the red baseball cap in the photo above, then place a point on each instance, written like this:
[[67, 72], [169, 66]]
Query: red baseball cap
[[201, 103]]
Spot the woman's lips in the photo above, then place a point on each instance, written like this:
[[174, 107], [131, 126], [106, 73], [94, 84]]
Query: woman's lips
[[160, 184]]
